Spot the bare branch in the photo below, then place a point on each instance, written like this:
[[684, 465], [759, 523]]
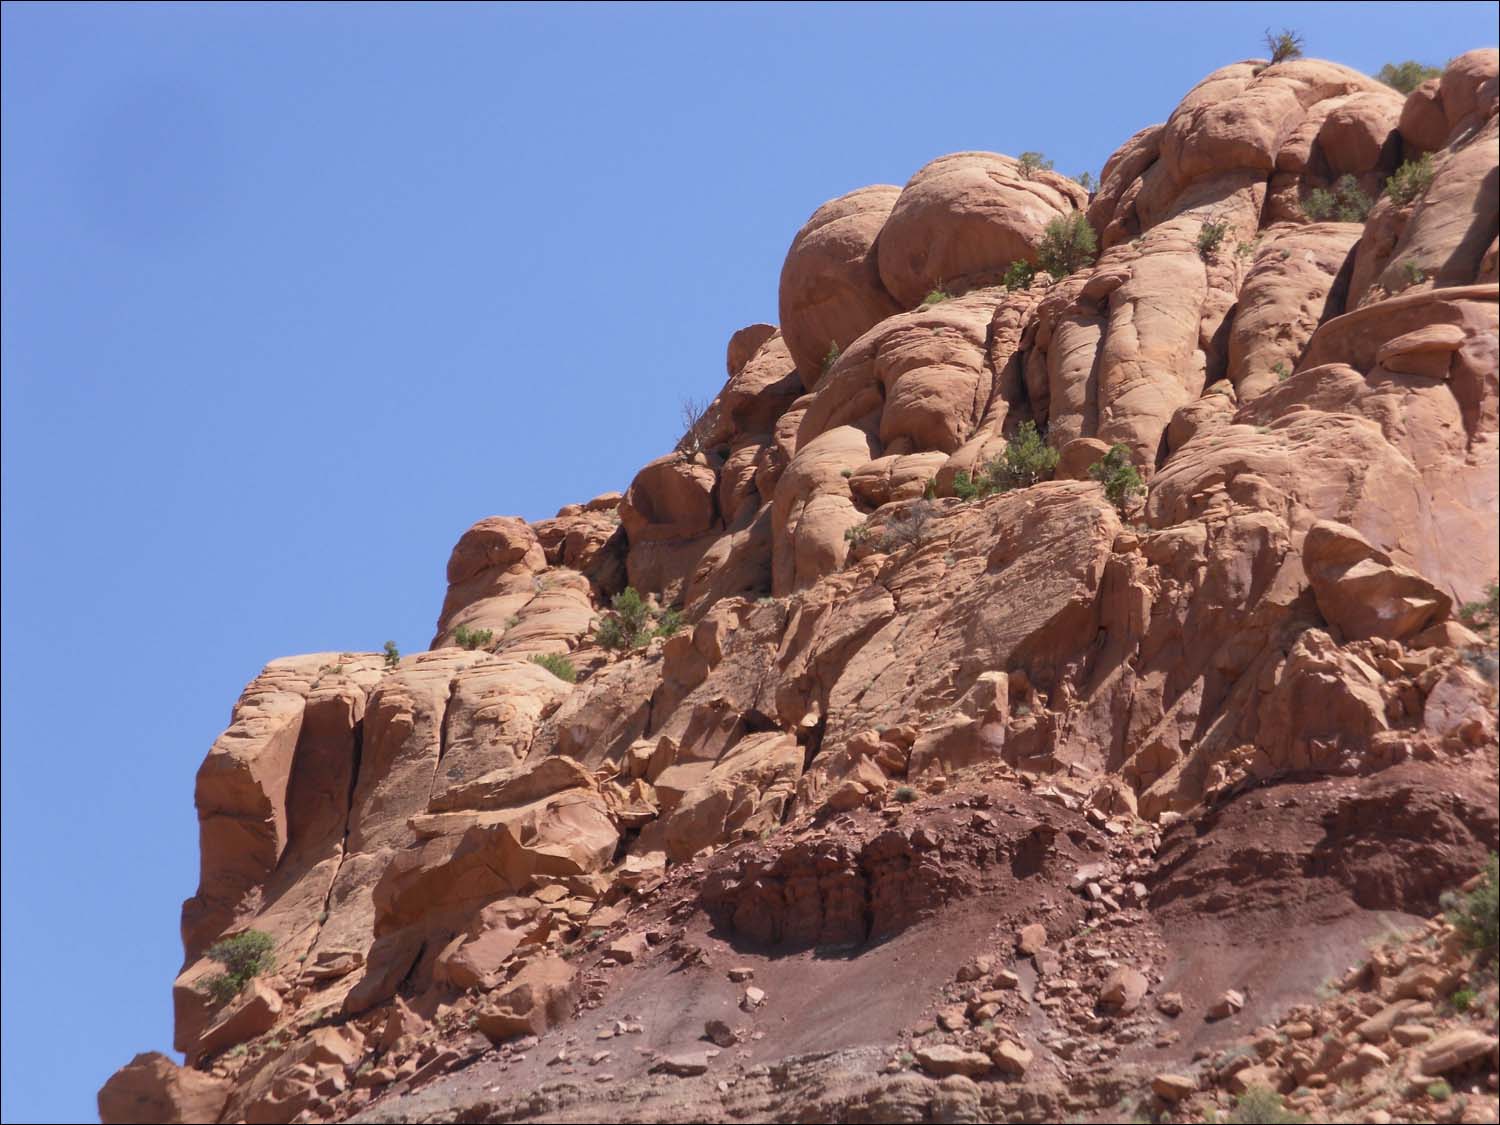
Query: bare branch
[[695, 425]]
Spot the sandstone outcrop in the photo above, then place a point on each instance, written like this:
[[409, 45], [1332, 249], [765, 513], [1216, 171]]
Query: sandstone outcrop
[[154, 1088], [831, 290], [962, 219], [878, 696]]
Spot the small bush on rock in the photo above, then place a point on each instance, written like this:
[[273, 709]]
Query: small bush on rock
[[610, 634], [1259, 1106], [965, 487], [558, 664], [1068, 244], [1484, 613], [936, 297], [243, 956], [830, 357], [1032, 163], [1086, 181], [1211, 237], [1281, 371], [1122, 483], [471, 639], [909, 527], [632, 623], [695, 425], [1284, 44], [1346, 202], [1018, 275], [1027, 460], [1411, 179], [1406, 76], [392, 654], [1476, 915], [905, 794], [1412, 273], [859, 533]]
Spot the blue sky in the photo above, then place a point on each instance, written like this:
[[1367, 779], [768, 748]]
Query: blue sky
[[293, 295]]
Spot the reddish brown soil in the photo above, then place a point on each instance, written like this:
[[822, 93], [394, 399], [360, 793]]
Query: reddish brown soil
[[1274, 892]]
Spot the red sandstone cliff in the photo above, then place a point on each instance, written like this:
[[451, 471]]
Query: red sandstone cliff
[[1209, 738]]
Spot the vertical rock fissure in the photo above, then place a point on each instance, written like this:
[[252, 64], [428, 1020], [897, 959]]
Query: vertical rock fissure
[[813, 739], [443, 737], [357, 748]]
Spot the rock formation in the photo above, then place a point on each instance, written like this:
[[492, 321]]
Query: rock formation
[[1060, 773]]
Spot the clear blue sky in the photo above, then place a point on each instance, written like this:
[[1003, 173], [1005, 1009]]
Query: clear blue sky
[[292, 295]]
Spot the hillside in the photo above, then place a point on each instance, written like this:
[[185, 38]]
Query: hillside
[[1062, 683]]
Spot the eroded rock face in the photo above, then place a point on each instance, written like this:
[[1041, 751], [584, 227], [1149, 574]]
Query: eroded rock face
[[443, 837], [1361, 591], [539, 996], [746, 791], [962, 219], [490, 576], [152, 1088], [1292, 287], [831, 290]]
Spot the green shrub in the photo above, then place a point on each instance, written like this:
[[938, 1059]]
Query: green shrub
[[1281, 370], [1439, 1091], [1476, 915], [1210, 237], [1482, 614], [1244, 249], [1284, 44], [1027, 460], [631, 609], [609, 633], [1068, 244], [1346, 202], [1411, 179], [243, 956], [464, 637], [1406, 76], [1319, 204], [831, 356], [1122, 483], [668, 622], [936, 297], [632, 622], [964, 487], [1462, 1000], [392, 654], [1086, 181], [858, 534], [905, 794], [1018, 275], [558, 664], [1032, 163], [1412, 273], [1260, 1106]]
